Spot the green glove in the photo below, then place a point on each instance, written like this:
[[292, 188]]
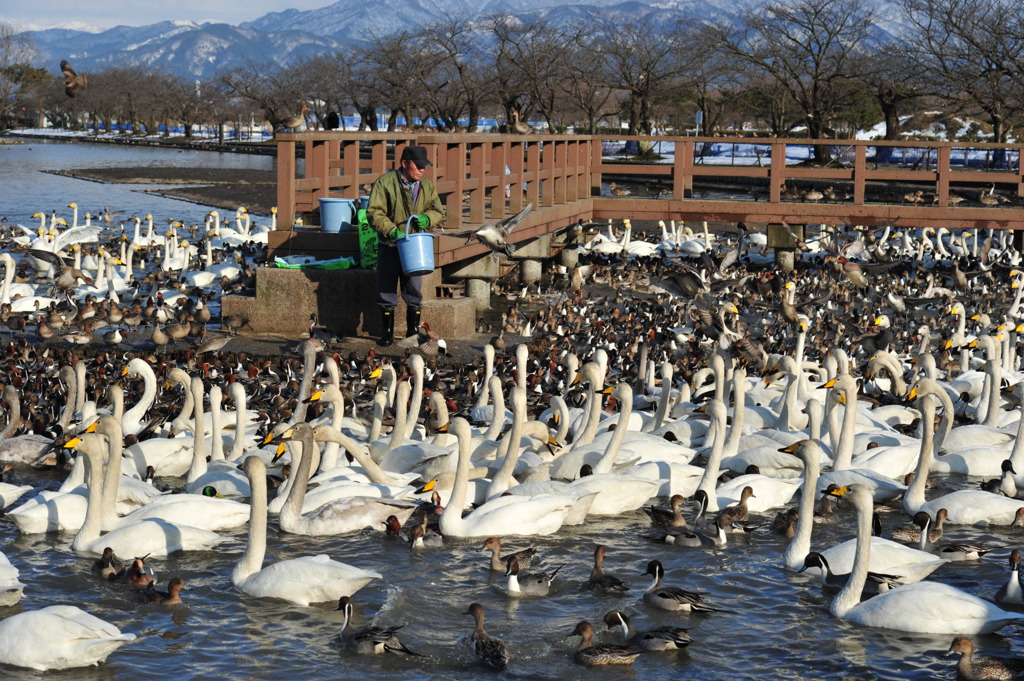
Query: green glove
[[422, 221], [396, 233]]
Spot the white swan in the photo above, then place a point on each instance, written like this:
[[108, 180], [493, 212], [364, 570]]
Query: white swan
[[347, 514], [152, 536], [224, 476], [502, 479], [965, 506], [922, 607], [810, 452], [601, 458], [25, 448], [132, 422], [769, 492], [11, 588], [883, 487], [983, 460], [58, 637], [310, 579], [507, 515]]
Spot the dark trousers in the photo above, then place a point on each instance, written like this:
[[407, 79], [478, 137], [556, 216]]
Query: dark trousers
[[389, 274]]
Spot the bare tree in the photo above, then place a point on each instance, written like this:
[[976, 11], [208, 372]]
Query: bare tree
[[771, 107], [269, 87], [452, 73], [808, 48], [972, 52], [646, 69], [388, 64], [714, 77], [896, 81], [532, 67], [18, 82], [363, 88], [327, 78], [586, 87], [188, 103]]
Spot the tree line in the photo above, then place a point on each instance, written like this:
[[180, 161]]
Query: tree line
[[823, 68]]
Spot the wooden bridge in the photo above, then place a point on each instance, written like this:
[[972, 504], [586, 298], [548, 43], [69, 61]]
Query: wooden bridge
[[485, 177]]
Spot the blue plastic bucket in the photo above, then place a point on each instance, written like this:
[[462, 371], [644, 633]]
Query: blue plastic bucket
[[416, 251], [337, 215], [364, 202]]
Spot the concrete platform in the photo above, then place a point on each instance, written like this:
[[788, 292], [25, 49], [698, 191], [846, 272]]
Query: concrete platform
[[343, 300]]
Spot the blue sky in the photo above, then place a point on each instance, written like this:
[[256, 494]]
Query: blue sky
[[101, 15]]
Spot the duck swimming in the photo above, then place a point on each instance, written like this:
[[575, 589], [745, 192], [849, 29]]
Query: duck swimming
[[590, 655], [491, 651], [659, 638], [371, 640]]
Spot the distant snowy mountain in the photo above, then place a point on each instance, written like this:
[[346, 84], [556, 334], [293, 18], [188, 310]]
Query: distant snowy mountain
[[191, 50], [201, 50]]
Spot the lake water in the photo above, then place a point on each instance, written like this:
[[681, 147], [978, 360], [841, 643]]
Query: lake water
[[27, 189], [780, 627]]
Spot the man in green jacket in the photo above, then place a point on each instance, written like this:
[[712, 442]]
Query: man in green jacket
[[396, 196]]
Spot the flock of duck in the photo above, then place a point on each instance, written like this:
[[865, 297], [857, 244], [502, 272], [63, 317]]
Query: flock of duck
[[882, 372]]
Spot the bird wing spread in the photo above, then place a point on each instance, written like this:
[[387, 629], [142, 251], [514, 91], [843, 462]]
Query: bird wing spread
[[504, 226]]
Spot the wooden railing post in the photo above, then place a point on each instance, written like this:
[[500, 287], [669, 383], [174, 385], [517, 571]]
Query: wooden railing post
[[547, 173], [942, 176], [499, 162], [318, 165], [596, 156], [577, 158], [533, 173], [561, 168], [1020, 171], [285, 184], [455, 171], [860, 164], [682, 177], [777, 172], [517, 162], [477, 181], [347, 153]]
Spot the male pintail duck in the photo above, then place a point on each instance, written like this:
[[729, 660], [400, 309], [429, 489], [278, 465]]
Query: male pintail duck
[[659, 638], [371, 640], [877, 583], [1010, 592], [527, 584], [670, 597]]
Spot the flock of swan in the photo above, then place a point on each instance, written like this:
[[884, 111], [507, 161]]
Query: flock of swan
[[93, 281], [738, 396]]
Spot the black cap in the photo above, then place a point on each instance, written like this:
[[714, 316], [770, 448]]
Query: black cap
[[417, 155]]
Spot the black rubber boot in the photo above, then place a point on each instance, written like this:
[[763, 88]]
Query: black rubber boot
[[412, 320], [387, 336]]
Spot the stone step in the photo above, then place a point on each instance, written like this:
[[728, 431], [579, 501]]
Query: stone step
[[343, 300]]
